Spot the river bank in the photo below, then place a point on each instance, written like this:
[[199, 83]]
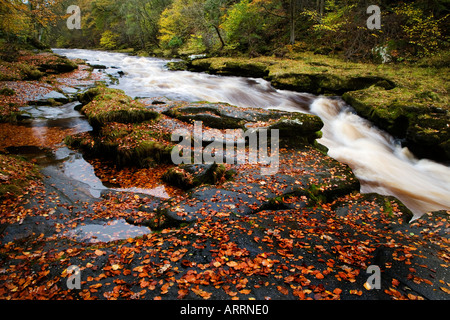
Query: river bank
[[304, 233], [409, 102]]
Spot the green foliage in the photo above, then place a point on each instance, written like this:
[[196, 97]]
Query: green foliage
[[410, 31], [109, 40], [7, 92], [423, 32]]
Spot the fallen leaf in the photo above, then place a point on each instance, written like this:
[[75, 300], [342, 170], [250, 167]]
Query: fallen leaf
[[99, 252]]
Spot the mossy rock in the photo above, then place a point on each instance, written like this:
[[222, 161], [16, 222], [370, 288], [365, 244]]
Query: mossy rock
[[126, 146], [220, 115], [328, 83], [191, 176], [7, 92], [58, 65], [201, 65], [298, 128], [245, 69], [407, 115], [177, 65], [104, 105]]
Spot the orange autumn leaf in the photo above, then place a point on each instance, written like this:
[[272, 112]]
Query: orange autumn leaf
[[165, 288], [283, 290], [356, 292], [205, 295], [99, 252]]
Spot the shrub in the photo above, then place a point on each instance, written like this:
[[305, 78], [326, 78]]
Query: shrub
[[109, 40]]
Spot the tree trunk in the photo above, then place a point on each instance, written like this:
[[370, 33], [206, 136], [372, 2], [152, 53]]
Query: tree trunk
[[321, 8], [292, 21], [222, 43]]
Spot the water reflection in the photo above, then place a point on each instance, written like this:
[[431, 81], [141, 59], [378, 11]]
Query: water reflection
[[106, 232]]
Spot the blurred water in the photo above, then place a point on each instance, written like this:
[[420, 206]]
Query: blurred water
[[379, 162]]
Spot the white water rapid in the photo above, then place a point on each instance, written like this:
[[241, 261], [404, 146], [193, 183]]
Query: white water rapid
[[380, 163]]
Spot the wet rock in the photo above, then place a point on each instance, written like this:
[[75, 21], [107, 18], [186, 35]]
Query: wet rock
[[304, 174], [97, 66], [299, 128], [206, 202], [190, 176], [220, 115], [392, 212], [49, 98], [225, 116]]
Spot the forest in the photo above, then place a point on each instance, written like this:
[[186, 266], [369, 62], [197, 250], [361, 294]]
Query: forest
[[409, 30]]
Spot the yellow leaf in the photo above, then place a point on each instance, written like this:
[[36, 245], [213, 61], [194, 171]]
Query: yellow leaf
[[445, 290], [367, 286]]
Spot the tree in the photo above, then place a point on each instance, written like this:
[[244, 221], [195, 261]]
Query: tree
[[13, 21], [42, 14]]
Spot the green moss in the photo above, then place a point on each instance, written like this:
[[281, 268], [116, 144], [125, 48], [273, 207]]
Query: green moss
[[188, 176], [126, 144], [7, 92], [104, 105], [16, 176]]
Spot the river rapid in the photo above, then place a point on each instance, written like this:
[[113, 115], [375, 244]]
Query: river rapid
[[377, 159]]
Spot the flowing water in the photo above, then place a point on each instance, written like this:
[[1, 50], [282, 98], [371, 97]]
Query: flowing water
[[379, 162]]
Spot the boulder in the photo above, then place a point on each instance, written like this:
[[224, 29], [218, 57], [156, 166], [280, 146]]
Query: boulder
[[298, 128], [219, 115], [422, 126], [104, 105], [190, 176]]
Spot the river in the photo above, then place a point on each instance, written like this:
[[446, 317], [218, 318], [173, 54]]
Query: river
[[377, 159]]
